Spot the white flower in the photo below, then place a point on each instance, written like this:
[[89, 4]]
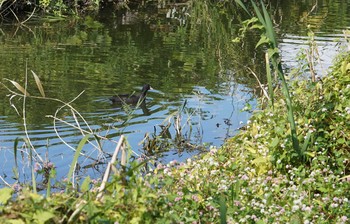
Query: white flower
[[347, 110], [295, 208]]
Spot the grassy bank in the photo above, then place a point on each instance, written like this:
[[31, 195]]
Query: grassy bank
[[256, 177]]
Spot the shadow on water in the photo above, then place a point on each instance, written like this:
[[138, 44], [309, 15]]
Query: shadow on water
[[200, 78]]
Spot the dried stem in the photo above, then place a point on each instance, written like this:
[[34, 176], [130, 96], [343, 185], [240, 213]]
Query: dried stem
[[108, 168]]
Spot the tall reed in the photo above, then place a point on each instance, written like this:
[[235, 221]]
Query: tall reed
[[269, 40]]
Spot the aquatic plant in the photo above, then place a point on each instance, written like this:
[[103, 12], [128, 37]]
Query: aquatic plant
[[268, 39]]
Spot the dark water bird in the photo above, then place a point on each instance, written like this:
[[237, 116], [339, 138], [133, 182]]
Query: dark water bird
[[132, 98]]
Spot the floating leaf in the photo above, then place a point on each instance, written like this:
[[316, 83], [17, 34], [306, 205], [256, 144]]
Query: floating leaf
[[38, 83]]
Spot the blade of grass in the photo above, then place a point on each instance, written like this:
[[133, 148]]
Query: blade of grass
[[76, 156], [32, 166], [269, 78], [15, 169], [289, 104], [223, 210], [270, 31], [258, 14], [15, 151], [240, 3], [48, 189]]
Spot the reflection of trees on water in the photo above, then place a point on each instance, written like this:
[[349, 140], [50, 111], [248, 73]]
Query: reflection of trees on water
[[321, 16]]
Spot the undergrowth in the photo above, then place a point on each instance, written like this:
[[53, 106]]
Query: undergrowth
[[252, 179]]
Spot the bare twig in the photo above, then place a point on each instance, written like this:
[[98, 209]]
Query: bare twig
[[261, 86], [30, 16], [3, 180], [108, 168]]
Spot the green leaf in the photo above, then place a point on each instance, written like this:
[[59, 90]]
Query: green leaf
[[260, 222], [5, 195], [240, 3], [223, 210], [341, 141], [257, 26], [43, 216], [274, 142], [263, 40], [269, 78], [258, 14], [272, 52], [15, 221], [85, 186], [270, 31], [76, 156]]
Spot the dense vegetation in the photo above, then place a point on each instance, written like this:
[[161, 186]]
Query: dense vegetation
[[254, 177], [259, 176]]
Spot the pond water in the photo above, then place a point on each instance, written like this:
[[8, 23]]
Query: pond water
[[197, 73]]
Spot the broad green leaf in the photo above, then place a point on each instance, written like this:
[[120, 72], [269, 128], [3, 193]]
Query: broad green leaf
[[36, 197], [263, 40], [43, 216], [5, 195], [38, 84], [274, 142], [341, 141]]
